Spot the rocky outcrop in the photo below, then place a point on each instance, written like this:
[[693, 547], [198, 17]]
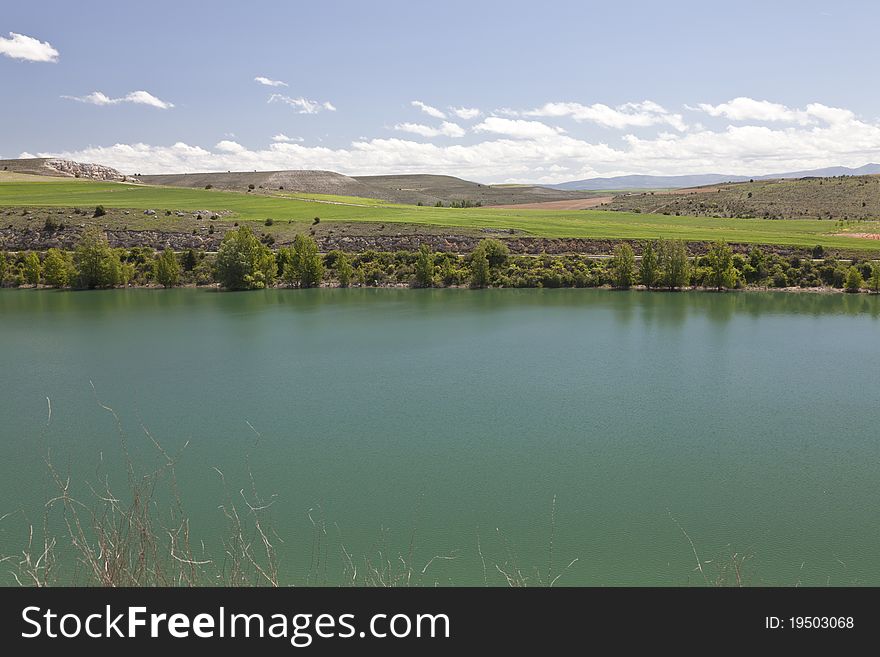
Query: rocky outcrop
[[82, 170]]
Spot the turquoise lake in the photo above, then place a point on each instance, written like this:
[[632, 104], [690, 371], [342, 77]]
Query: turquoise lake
[[748, 423]]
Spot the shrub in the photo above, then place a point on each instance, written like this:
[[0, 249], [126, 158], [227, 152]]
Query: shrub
[[268, 222], [96, 264], [31, 269], [99, 211], [722, 273], [250, 187], [166, 269], [209, 186], [479, 268], [496, 252], [306, 268], [623, 266], [51, 224], [316, 221], [57, 268], [189, 260], [854, 280], [344, 270], [243, 263], [649, 268], [424, 274], [874, 281]]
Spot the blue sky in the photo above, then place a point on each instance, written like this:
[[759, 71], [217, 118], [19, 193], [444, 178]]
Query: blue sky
[[556, 90]]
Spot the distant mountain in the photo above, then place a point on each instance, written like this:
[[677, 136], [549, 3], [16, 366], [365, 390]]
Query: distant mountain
[[698, 180]]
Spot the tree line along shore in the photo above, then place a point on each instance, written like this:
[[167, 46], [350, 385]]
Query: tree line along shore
[[244, 262]]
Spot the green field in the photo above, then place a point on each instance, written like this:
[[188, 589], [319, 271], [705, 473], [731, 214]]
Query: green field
[[596, 224]]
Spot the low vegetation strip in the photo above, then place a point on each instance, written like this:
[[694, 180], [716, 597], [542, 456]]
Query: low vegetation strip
[[244, 262], [166, 203]]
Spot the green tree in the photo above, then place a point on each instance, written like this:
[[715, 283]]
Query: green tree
[[479, 268], [623, 266], [31, 269], [344, 270], [190, 260], [674, 265], [57, 268], [854, 280], [649, 267], [722, 273], [306, 269], [874, 281], [166, 269], [243, 262], [424, 267], [495, 250], [96, 264]]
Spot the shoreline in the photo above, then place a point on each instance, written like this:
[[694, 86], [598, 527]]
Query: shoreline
[[216, 287]]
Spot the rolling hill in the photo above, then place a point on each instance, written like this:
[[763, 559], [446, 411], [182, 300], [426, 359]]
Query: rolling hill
[[698, 180], [408, 189]]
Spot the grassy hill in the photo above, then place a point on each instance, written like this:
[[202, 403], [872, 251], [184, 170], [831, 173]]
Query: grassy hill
[[849, 198], [20, 200]]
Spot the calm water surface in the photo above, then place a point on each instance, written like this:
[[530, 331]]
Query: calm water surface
[[751, 421]]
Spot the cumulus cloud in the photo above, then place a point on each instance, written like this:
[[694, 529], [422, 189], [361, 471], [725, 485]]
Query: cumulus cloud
[[281, 137], [446, 129], [427, 109], [269, 82], [303, 105], [135, 97], [518, 128], [29, 49], [643, 114], [743, 109], [519, 150], [465, 113]]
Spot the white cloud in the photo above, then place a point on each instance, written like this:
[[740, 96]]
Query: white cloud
[[748, 109], [227, 146], [269, 82], [446, 129], [513, 150], [427, 109], [643, 114], [303, 105], [517, 128], [764, 111], [465, 113], [29, 49], [281, 137], [135, 97]]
